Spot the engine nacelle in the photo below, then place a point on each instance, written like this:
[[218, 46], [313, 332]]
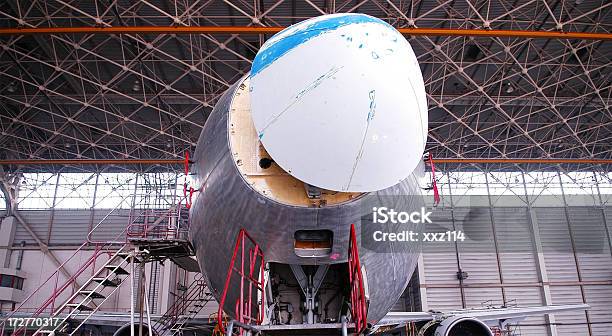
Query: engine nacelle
[[458, 326], [463, 326]]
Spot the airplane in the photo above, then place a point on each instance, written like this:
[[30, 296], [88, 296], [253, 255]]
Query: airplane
[[330, 123]]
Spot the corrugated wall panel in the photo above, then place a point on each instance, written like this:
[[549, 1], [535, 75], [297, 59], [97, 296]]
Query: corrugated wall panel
[[481, 268], [595, 264], [477, 252], [591, 243], [515, 243], [112, 223], [556, 244], [70, 227], [608, 211], [440, 258], [569, 323], [600, 314], [443, 298], [440, 268], [528, 296], [440, 265], [38, 221], [483, 296]]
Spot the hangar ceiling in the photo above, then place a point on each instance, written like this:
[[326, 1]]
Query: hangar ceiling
[[147, 96]]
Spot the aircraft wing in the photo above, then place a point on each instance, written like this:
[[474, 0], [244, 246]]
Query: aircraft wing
[[495, 314], [403, 317], [490, 316]]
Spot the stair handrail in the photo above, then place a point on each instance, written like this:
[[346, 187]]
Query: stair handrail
[[82, 287], [86, 318], [43, 284], [178, 306], [241, 308], [69, 282], [100, 249]]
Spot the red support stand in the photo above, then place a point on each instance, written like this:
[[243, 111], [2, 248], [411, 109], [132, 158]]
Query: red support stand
[[250, 282], [359, 309], [434, 184], [188, 190]]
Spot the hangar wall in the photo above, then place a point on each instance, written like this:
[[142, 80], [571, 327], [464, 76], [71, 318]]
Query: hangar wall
[[494, 278], [536, 245]]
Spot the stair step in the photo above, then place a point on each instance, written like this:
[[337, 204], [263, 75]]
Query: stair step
[[127, 256], [92, 294], [107, 282], [116, 269], [80, 306]]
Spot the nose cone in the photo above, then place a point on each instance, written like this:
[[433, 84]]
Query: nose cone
[[339, 102]]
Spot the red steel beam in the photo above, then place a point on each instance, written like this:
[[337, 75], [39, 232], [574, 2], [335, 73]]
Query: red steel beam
[[272, 30], [38, 162]]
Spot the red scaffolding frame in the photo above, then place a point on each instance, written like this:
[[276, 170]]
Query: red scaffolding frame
[[244, 303], [359, 310]]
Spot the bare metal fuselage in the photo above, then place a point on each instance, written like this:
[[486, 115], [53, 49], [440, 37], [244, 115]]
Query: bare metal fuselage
[[228, 203]]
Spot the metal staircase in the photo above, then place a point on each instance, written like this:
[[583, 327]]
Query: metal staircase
[[184, 309], [93, 293], [77, 298], [84, 301]]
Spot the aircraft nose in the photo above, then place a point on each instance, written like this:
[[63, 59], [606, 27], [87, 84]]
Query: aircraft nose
[[339, 102]]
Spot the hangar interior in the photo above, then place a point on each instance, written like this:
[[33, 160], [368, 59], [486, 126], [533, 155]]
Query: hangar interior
[[519, 127]]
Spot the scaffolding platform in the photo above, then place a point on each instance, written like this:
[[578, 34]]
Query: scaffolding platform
[[164, 234], [164, 248]]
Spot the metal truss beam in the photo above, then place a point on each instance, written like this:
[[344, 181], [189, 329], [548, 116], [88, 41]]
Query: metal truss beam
[[37, 162], [103, 94]]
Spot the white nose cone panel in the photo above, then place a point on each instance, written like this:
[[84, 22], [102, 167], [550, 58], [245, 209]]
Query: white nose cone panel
[[339, 102]]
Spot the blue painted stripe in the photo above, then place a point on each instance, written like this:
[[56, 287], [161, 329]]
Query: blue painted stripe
[[268, 54]]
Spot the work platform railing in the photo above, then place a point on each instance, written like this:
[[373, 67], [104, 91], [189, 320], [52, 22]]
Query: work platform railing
[[163, 233], [359, 309], [250, 271], [159, 225], [251, 279]]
